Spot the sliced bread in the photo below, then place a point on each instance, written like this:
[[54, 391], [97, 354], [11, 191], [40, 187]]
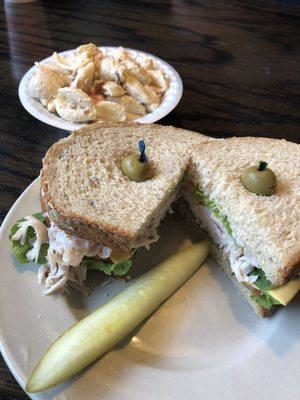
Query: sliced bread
[[267, 227], [222, 260], [87, 195]]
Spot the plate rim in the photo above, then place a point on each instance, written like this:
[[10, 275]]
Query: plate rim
[[4, 349], [48, 118]]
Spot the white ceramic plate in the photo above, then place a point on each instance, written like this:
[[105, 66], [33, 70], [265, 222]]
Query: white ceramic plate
[[204, 342], [169, 102]]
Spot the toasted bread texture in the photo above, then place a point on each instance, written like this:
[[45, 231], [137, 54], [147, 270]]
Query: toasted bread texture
[[267, 227], [87, 195]]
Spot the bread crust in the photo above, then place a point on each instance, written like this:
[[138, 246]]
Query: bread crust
[[225, 266], [107, 231], [222, 261], [215, 165], [266, 227]]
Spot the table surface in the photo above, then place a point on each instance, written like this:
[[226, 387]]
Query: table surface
[[239, 62]]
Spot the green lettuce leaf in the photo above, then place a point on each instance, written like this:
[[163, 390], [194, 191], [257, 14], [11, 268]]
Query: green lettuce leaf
[[261, 282], [15, 227], [42, 254], [265, 300], [39, 216], [120, 268], [30, 231], [205, 200], [19, 250]]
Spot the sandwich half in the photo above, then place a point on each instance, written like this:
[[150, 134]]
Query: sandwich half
[[94, 216], [256, 237]]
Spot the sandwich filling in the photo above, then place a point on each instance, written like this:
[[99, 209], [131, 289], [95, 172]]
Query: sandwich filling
[[244, 266], [64, 259]]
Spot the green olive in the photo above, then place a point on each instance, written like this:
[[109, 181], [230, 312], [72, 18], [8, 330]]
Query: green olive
[[260, 180], [136, 170]]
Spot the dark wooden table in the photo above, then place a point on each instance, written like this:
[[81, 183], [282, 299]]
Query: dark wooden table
[[239, 61]]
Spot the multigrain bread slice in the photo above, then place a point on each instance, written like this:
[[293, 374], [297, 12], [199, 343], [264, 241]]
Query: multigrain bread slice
[[87, 195], [222, 261], [267, 227]]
